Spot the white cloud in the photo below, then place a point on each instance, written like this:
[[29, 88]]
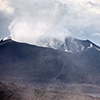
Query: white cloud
[[35, 19], [96, 34], [5, 8]]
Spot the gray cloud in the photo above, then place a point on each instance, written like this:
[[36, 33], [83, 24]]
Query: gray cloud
[[6, 17]]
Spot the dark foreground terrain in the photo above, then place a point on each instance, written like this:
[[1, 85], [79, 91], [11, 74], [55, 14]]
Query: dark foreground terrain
[[13, 92]]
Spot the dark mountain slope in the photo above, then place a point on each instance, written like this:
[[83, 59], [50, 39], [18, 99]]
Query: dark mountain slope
[[24, 63], [27, 62], [85, 67]]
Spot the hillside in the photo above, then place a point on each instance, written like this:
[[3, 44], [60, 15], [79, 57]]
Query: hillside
[[24, 63]]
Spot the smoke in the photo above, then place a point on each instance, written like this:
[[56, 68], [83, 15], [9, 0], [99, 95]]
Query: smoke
[[39, 23], [35, 20]]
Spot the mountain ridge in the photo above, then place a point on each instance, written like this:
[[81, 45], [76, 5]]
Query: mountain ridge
[[24, 63], [69, 44]]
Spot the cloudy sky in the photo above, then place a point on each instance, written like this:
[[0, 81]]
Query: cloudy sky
[[30, 20]]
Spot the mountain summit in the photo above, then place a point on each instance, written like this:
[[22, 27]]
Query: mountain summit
[[69, 44], [24, 63]]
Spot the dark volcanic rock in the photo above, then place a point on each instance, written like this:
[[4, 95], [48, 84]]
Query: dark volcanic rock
[[9, 91], [24, 63]]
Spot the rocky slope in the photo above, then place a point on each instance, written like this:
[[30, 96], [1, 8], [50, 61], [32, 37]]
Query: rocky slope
[[24, 63], [69, 44], [12, 92]]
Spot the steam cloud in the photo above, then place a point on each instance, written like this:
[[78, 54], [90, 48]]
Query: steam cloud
[[32, 20]]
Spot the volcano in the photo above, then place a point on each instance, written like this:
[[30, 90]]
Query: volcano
[[29, 64]]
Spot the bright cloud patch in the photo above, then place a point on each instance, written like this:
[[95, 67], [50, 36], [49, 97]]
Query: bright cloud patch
[[5, 8], [96, 34], [38, 19]]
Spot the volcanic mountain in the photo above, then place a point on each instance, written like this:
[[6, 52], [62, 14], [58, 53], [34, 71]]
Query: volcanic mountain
[[25, 63]]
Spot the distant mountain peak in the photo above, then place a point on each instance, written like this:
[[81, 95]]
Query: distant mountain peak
[[69, 44], [6, 38]]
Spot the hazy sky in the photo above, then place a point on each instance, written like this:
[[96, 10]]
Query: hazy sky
[[30, 20]]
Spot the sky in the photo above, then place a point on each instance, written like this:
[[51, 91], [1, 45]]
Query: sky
[[31, 20]]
